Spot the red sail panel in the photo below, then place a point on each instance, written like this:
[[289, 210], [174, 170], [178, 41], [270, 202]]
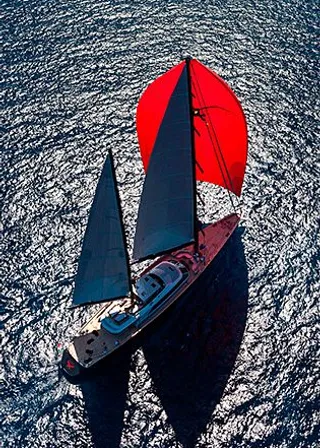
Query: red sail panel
[[219, 126], [220, 130], [151, 109]]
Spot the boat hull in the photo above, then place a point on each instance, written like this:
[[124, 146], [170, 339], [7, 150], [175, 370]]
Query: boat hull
[[95, 343]]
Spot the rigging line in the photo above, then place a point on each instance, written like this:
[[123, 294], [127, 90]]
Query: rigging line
[[199, 224], [197, 87], [215, 136], [216, 139], [213, 150], [220, 152], [200, 198]]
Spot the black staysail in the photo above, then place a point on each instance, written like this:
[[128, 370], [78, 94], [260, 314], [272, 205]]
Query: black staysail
[[166, 218], [103, 271]]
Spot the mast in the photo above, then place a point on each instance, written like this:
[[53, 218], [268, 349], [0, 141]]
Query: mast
[[196, 239]]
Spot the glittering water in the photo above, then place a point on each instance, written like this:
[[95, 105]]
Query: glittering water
[[234, 363]]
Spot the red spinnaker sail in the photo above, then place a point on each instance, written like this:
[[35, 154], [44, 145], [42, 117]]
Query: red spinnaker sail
[[219, 126]]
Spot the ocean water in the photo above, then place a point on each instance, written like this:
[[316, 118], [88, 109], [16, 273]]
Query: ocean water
[[235, 363]]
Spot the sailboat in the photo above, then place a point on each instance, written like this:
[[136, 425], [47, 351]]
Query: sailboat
[[190, 127]]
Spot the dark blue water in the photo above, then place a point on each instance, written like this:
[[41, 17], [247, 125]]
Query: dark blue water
[[235, 362]]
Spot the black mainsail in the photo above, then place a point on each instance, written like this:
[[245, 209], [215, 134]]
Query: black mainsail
[[166, 218], [103, 271]]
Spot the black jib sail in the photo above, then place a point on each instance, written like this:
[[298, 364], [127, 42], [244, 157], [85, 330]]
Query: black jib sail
[[103, 271]]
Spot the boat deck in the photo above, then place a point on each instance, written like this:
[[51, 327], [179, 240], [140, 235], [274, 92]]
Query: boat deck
[[94, 342]]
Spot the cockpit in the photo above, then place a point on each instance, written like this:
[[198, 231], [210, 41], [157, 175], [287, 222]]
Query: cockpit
[[150, 292], [164, 276]]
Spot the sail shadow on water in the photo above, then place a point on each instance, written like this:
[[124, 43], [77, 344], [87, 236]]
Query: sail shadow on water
[[104, 392], [190, 351], [193, 352]]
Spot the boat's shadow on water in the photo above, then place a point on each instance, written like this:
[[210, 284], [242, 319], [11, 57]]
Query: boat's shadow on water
[[190, 351]]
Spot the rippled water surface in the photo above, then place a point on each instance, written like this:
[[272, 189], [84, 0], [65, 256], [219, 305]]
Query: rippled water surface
[[234, 362]]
